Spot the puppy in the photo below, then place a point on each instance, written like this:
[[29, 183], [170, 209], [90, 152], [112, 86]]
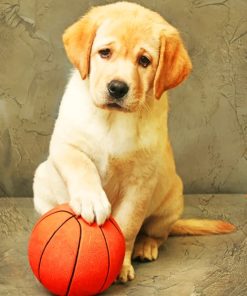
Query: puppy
[[110, 152]]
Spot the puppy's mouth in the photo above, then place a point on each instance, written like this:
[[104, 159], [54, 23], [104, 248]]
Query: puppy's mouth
[[115, 106]]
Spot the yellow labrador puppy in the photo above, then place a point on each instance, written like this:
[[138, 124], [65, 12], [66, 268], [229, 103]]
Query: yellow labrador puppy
[[110, 152]]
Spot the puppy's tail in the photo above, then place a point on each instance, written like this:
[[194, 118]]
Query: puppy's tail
[[201, 227]]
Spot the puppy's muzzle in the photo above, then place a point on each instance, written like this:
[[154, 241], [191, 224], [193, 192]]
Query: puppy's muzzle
[[117, 89]]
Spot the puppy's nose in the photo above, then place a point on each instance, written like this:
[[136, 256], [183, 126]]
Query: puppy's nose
[[117, 89]]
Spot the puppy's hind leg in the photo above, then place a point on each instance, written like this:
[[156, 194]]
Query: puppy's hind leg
[[156, 228], [48, 188]]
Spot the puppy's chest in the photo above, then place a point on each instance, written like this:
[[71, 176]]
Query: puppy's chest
[[116, 144]]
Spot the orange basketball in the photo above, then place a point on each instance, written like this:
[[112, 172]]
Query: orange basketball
[[70, 257]]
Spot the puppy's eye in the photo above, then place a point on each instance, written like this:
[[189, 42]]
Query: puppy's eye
[[144, 61], [105, 53]]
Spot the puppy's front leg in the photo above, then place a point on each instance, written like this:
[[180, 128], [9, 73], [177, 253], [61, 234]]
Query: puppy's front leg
[[130, 214], [87, 197]]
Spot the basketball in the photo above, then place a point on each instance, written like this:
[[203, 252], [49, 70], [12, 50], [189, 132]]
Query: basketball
[[70, 257]]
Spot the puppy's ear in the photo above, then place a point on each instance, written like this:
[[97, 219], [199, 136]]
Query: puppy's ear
[[78, 40], [174, 63]]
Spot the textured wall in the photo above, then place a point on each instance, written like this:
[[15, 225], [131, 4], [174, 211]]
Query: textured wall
[[208, 120]]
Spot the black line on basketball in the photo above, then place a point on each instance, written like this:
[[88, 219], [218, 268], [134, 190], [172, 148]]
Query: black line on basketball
[[76, 259], [52, 214], [108, 253], [114, 224], [48, 243]]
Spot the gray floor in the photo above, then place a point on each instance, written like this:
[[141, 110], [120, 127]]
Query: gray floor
[[187, 266]]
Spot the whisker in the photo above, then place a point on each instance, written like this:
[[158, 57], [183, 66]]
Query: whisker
[[147, 107]]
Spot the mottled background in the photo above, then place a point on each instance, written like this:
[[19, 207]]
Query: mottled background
[[208, 119]]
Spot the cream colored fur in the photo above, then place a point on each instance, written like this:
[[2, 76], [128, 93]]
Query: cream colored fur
[[104, 161]]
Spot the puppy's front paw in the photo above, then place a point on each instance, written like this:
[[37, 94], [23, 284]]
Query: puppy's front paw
[[127, 273], [92, 206]]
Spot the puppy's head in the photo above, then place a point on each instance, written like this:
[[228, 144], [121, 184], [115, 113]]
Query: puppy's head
[[129, 54]]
